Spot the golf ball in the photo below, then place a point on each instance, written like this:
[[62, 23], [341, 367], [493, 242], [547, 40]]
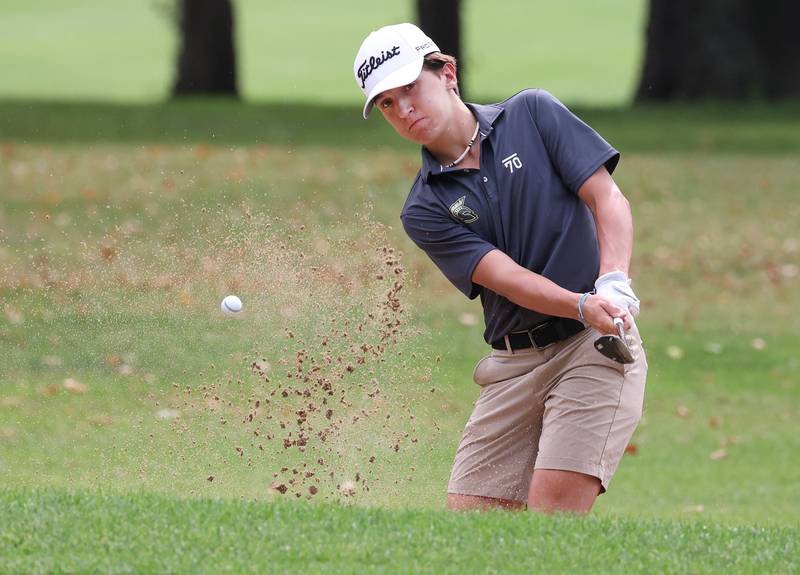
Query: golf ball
[[231, 305]]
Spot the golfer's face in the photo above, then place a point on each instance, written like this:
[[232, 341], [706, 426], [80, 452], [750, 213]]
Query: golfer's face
[[417, 110]]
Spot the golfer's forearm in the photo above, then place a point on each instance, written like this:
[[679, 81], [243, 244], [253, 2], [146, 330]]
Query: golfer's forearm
[[537, 293], [614, 232], [499, 273]]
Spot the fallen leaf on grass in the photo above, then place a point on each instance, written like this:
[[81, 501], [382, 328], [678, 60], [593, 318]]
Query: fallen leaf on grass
[[758, 344], [631, 449], [683, 411], [674, 352], [90, 194], [100, 419], [694, 508], [13, 315], [468, 319], [719, 454], [167, 414], [10, 401], [790, 271], [108, 253], [52, 197], [714, 421], [48, 390], [202, 151], [52, 361], [75, 386]]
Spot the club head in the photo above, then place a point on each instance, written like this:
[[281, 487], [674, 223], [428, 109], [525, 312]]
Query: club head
[[614, 347]]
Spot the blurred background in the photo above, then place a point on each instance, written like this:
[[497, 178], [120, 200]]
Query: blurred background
[[129, 50], [611, 52]]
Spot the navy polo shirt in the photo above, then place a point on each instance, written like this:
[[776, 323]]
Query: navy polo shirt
[[535, 154]]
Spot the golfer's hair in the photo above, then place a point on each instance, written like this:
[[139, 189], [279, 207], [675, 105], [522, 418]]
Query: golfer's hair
[[435, 61]]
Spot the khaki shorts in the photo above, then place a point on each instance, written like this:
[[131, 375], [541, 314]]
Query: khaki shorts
[[564, 407]]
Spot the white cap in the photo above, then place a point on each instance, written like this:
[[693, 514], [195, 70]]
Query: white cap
[[389, 58]]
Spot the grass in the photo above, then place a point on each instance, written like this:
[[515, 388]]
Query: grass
[[122, 226], [46, 531], [92, 50]]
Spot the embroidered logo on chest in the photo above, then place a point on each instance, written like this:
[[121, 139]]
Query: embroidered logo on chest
[[462, 212]]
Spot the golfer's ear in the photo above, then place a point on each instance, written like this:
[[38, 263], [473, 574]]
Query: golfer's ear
[[450, 76]]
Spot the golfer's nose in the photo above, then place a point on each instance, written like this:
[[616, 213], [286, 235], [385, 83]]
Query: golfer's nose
[[405, 107]]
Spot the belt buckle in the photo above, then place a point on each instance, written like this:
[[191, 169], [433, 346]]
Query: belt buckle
[[533, 330]]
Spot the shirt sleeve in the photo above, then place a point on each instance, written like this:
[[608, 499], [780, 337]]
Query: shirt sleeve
[[454, 249], [575, 149]]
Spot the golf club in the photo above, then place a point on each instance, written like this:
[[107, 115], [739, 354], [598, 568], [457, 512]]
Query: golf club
[[615, 346]]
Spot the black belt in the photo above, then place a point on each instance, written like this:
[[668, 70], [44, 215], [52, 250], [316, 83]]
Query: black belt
[[547, 333]]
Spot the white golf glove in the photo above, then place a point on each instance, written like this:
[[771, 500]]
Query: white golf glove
[[615, 287]]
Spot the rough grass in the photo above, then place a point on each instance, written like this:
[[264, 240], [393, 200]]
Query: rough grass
[[115, 257], [45, 531]]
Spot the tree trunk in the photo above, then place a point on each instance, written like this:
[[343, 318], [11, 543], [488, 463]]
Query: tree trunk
[[207, 60], [725, 49], [774, 28], [441, 20]]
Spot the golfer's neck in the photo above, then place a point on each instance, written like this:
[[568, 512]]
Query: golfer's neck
[[453, 140]]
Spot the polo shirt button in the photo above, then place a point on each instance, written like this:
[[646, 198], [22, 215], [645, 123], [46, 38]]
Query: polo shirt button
[[485, 179]]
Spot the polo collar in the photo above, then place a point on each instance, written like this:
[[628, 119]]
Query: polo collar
[[486, 115]]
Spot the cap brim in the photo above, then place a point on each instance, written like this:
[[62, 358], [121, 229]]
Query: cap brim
[[399, 77]]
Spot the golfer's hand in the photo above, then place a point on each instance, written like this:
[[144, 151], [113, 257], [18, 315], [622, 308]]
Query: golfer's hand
[[599, 313], [616, 288]]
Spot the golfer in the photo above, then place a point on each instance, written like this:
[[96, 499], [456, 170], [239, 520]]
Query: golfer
[[514, 202]]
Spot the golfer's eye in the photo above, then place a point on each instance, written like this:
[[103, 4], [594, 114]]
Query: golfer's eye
[[410, 86], [385, 104]]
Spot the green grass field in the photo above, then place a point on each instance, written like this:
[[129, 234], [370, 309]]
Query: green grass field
[[143, 431], [115, 255]]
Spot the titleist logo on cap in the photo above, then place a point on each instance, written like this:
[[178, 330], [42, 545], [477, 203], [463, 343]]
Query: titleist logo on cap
[[367, 67]]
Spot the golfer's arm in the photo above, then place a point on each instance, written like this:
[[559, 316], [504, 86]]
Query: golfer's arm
[[499, 273], [612, 216]]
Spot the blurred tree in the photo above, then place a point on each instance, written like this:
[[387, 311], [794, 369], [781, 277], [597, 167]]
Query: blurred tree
[[207, 60], [721, 49], [441, 20]]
